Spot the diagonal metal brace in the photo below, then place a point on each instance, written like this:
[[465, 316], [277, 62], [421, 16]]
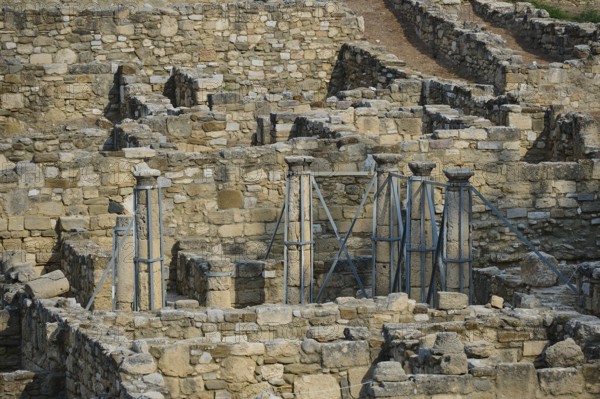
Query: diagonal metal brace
[[337, 234], [512, 228], [337, 256], [110, 265]]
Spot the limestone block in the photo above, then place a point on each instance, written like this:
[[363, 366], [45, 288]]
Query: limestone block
[[497, 302], [174, 361], [346, 354], [37, 223], [564, 354], [397, 302], [535, 273], [139, 152], [480, 349], [525, 301], [452, 300], [238, 369], [447, 342], [453, 364], [40, 59], [534, 348], [316, 386], [272, 315], [389, 371], [282, 348], [12, 101], [168, 26], [356, 333], [66, 56], [561, 381], [228, 199], [70, 223], [516, 380], [48, 286], [271, 371], [140, 363]]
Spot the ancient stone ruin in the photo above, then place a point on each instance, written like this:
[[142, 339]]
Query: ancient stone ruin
[[241, 200]]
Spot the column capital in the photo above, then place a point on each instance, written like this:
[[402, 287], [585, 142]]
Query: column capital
[[421, 168], [387, 160], [458, 175], [144, 171], [298, 162]]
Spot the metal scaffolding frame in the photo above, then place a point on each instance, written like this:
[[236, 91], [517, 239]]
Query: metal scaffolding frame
[[149, 260], [400, 233], [118, 247]]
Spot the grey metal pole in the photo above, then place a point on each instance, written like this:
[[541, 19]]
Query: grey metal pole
[[383, 257], [148, 247], [297, 247], [458, 228], [421, 240]]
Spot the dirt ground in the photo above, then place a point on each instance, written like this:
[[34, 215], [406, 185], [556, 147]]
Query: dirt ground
[[383, 28]]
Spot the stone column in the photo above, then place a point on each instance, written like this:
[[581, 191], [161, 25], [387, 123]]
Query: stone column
[[386, 163], [149, 287], [420, 234], [298, 219], [219, 287], [457, 229], [124, 267]]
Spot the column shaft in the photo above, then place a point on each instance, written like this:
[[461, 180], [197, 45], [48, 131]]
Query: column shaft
[[124, 266], [299, 261], [149, 279]]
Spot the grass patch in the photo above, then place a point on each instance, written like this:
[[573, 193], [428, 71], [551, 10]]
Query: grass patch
[[587, 15]]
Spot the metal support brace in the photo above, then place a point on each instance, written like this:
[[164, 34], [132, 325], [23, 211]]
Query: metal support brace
[[337, 257]]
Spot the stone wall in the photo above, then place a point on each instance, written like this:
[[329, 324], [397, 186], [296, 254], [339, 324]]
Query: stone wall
[[63, 59], [10, 339], [560, 39], [588, 286], [29, 384], [83, 261], [228, 283], [336, 347], [483, 55]]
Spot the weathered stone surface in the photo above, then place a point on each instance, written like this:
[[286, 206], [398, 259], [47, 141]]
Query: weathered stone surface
[[345, 354], [479, 349], [70, 223], [356, 333], [175, 361], [238, 369], [319, 385], [452, 300], [48, 286], [561, 381], [497, 302], [453, 364], [447, 342], [141, 363], [273, 315], [228, 199], [535, 273], [516, 380], [389, 372], [564, 354]]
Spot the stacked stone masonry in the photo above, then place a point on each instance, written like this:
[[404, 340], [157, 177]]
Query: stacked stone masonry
[[231, 104]]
